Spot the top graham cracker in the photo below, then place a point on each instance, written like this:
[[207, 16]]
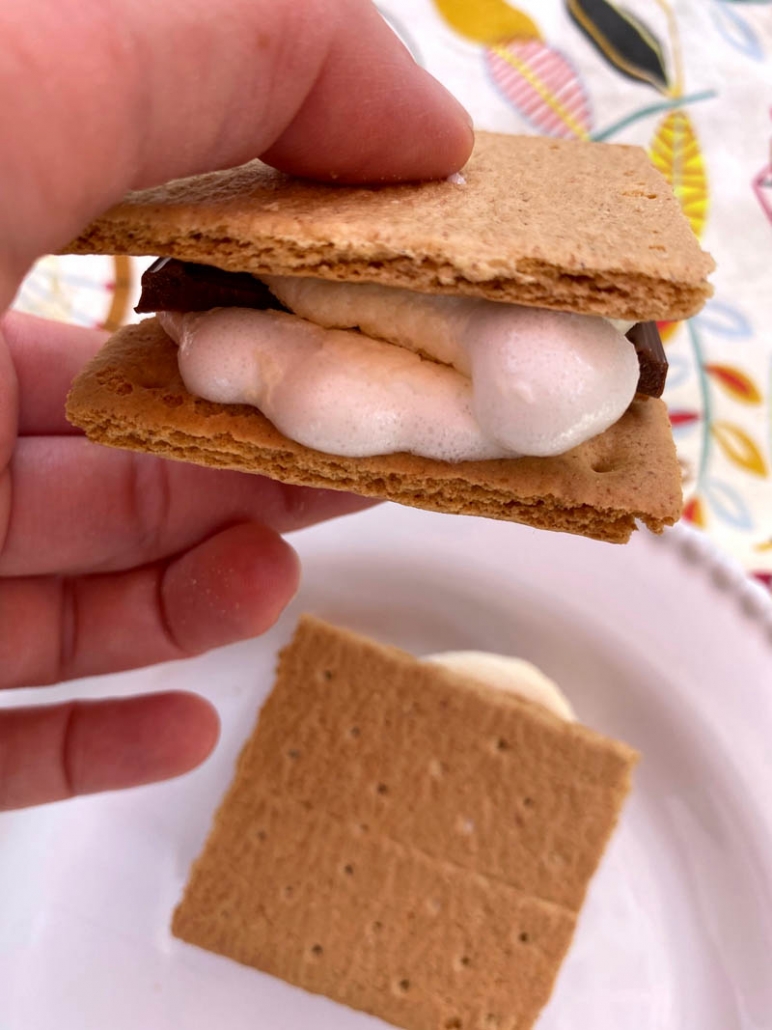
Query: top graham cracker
[[585, 227]]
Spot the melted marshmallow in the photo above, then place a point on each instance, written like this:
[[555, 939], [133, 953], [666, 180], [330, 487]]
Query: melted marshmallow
[[504, 380], [511, 674], [543, 381], [338, 392]]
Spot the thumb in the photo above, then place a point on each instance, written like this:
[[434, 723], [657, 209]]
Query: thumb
[[111, 95]]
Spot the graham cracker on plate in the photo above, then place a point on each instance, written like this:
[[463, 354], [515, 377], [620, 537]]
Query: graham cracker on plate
[[586, 227], [131, 396], [405, 841]]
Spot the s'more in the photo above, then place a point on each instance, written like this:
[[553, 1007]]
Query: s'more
[[411, 838], [484, 345]]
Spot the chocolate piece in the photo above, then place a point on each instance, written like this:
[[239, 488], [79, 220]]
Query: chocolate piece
[[651, 358], [171, 285]]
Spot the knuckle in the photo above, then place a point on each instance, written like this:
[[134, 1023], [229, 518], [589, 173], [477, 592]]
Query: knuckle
[[147, 504]]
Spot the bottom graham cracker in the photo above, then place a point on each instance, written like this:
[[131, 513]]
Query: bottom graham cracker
[[405, 841], [131, 396]]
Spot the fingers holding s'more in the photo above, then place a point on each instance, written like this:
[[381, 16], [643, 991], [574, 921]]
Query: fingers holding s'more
[[46, 357], [96, 511], [243, 78]]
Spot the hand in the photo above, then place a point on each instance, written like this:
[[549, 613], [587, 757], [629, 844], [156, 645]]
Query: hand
[[110, 560]]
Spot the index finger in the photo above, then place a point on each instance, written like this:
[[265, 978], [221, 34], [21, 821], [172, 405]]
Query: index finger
[[46, 356]]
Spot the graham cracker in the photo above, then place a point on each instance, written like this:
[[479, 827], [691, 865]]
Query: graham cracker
[[586, 227], [131, 396], [403, 840]]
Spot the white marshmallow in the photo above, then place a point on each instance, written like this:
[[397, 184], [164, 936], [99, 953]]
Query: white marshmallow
[[546, 381], [420, 322], [335, 391], [511, 674], [504, 381], [543, 381]]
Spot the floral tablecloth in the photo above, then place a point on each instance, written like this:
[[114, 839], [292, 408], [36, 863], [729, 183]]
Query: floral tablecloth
[[689, 80]]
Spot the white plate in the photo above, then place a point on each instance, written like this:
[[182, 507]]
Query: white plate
[[659, 643]]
